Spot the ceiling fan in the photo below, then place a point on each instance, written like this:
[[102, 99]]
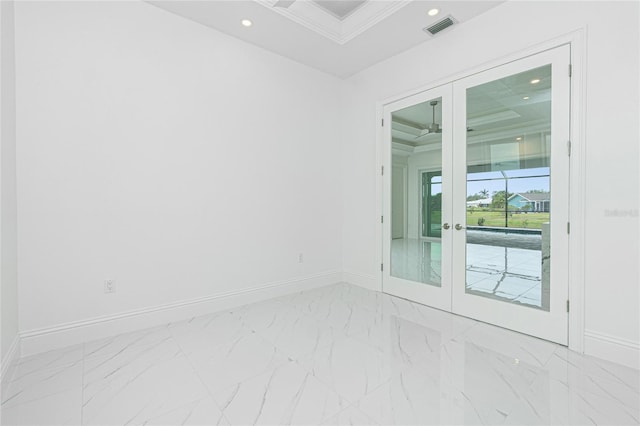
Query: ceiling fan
[[433, 127]]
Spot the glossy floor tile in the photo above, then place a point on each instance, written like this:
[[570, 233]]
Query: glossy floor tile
[[335, 355]]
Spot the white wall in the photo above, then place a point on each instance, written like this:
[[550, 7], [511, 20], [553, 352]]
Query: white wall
[[8, 218], [611, 242], [160, 153]]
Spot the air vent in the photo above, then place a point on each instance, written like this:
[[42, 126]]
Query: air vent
[[439, 26]]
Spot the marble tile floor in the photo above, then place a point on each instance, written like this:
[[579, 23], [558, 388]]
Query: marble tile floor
[[333, 355]]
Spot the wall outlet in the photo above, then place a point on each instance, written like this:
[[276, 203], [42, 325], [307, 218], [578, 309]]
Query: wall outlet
[[109, 286], [300, 258]]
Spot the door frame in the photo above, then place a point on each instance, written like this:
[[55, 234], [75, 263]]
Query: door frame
[[577, 130]]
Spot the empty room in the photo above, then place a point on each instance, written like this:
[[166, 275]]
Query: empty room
[[309, 212]]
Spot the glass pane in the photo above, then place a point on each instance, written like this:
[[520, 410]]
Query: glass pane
[[416, 192], [508, 188]]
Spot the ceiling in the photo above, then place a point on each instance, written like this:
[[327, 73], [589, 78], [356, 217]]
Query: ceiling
[[338, 37], [501, 111], [340, 9]]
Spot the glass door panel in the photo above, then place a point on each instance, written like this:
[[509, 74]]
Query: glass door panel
[[508, 165], [417, 253], [512, 195]]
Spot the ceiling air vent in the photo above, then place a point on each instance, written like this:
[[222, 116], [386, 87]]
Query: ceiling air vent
[[441, 25]]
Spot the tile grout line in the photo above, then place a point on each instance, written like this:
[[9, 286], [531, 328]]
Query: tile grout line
[[351, 406], [197, 373], [366, 414], [283, 351]]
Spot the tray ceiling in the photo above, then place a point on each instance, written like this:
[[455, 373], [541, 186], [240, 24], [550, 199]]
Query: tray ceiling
[[337, 37], [339, 9]]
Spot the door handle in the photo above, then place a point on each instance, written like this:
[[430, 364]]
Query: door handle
[[459, 227], [445, 226]]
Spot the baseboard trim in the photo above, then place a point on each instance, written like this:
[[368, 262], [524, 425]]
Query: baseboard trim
[[369, 282], [611, 348], [9, 362], [61, 335]]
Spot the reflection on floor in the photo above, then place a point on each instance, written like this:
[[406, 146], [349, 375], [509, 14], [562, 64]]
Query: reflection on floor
[[509, 274], [416, 260], [336, 355]]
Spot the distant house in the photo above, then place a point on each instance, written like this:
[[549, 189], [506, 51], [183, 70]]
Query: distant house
[[485, 202], [536, 201]]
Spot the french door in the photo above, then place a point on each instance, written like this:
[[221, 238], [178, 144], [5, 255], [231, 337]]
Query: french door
[[419, 267], [484, 202]]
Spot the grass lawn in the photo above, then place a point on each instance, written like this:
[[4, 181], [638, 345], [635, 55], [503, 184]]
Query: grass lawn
[[516, 220]]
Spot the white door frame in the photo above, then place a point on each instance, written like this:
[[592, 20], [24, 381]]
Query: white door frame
[[576, 40]]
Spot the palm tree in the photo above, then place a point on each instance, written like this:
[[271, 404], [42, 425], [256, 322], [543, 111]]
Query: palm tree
[[484, 193]]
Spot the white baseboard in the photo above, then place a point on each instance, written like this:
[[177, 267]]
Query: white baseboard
[[611, 348], [369, 282], [9, 363], [59, 336]]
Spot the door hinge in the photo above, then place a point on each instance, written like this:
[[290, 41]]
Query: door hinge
[[570, 70], [567, 305], [381, 219], [569, 148], [382, 122], [381, 267], [382, 171], [568, 227]]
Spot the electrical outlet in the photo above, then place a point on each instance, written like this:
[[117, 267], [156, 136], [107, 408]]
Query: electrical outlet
[[300, 258], [109, 286]]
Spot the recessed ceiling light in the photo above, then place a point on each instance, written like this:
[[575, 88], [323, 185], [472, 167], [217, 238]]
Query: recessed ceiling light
[[433, 12], [525, 98], [535, 81], [246, 22], [518, 138]]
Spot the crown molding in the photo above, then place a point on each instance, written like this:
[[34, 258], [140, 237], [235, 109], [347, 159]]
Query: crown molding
[[314, 18]]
